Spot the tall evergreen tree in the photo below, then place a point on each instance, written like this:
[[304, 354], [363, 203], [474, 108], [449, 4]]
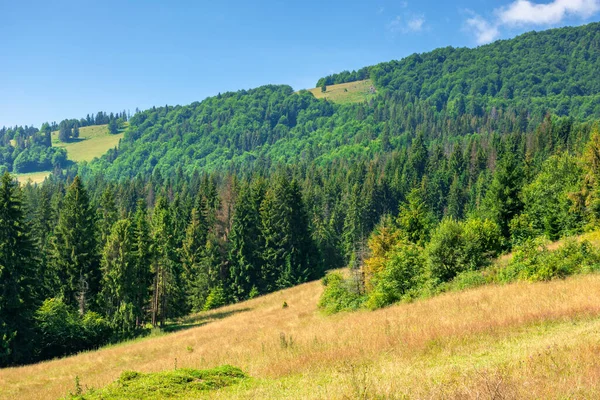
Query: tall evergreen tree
[[17, 274], [142, 259], [75, 257], [246, 241], [503, 199], [167, 293], [192, 253], [119, 278]]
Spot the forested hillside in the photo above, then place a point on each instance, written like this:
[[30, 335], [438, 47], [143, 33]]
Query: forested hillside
[[554, 70], [245, 193]]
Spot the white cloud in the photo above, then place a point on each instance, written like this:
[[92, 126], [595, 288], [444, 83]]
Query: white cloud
[[524, 12], [407, 24], [483, 30], [415, 23], [404, 4]]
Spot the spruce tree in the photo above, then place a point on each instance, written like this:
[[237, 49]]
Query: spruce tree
[[192, 254], [119, 278], [503, 198], [142, 260], [17, 276], [289, 253], [246, 241], [107, 214], [167, 293], [75, 256]]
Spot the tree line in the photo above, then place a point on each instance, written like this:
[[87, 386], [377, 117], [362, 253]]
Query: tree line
[[76, 273]]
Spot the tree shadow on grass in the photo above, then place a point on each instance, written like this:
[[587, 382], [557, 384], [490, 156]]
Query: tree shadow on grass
[[197, 320]]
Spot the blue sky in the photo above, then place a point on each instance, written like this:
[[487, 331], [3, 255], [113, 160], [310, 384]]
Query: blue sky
[[71, 58]]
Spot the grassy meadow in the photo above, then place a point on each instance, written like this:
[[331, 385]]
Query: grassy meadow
[[93, 142], [34, 177], [523, 340], [352, 92]]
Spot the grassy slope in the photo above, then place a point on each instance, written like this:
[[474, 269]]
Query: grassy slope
[[93, 142], [353, 92], [520, 341]]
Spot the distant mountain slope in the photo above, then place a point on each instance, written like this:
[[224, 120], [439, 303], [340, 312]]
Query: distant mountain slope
[[561, 65], [508, 86]]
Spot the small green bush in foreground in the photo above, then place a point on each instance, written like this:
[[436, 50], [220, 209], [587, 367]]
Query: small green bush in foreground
[[182, 383]]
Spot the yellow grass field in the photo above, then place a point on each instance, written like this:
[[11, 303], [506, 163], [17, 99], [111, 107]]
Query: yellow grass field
[[518, 341], [353, 92], [94, 141], [34, 177]]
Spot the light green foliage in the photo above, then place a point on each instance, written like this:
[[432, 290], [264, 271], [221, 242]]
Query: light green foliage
[[533, 261], [460, 246], [547, 201], [339, 294], [215, 299], [180, 383], [399, 276]]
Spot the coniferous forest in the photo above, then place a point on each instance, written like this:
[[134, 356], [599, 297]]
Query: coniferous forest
[[462, 155]]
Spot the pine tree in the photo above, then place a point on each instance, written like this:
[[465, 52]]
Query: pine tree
[[17, 274], [75, 255]]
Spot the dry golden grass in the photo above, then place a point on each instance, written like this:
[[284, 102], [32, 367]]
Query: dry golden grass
[[352, 92], [34, 177], [515, 341]]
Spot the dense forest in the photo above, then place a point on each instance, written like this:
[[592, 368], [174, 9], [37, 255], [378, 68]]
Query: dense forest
[[246, 193]]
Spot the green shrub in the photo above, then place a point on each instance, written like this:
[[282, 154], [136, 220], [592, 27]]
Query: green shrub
[[532, 261], [339, 294], [215, 299], [465, 280], [462, 246], [399, 276], [178, 383], [62, 331]]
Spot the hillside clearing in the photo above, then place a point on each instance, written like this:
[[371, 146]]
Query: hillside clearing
[[530, 340], [352, 92], [34, 177], [94, 141]]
